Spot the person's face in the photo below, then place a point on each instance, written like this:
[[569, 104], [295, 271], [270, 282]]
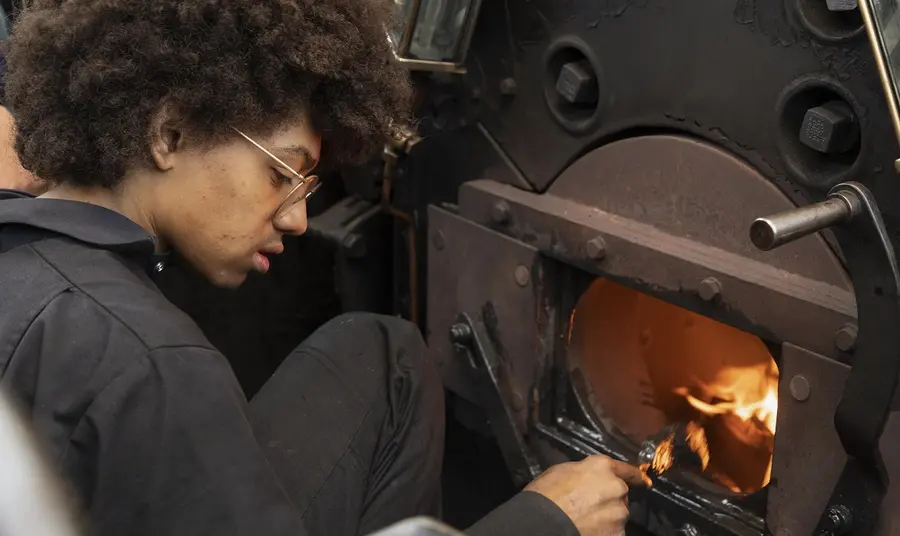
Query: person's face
[[222, 209]]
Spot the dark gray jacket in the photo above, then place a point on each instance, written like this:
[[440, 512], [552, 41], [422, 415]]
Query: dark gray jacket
[[139, 413]]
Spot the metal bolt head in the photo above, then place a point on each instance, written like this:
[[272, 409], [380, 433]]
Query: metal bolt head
[[577, 83], [710, 289], [500, 212], [460, 333], [800, 388], [595, 248], [508, 87], [830, 128], [845, 338], [688, 530], [522, 275]]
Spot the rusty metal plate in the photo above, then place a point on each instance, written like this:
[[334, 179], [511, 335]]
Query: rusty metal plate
[[496, 280], [693, 190], [808, 453], [774, 303]]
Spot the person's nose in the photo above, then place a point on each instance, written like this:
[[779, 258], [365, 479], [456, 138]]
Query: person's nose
[[292, 221]]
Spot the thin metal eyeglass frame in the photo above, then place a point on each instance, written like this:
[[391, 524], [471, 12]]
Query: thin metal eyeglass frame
[[304, 180]]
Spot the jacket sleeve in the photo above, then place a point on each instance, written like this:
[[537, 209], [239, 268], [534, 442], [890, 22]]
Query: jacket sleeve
[[526, 514], [168, 451]]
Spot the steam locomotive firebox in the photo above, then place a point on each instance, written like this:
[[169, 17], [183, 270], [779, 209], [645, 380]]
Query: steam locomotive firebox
[[594, 285], [628, 313]]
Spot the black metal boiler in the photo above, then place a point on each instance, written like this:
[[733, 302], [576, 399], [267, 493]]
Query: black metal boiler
[[665, 231]]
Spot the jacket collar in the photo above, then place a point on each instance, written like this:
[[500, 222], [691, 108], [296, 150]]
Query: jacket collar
[[91, 224]]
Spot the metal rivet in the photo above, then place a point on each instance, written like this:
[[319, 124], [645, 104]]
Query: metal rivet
[[437, 239], [710, 289], [800, 388], [500, 212], [523, 275], [845, 338], [595, 248], [160, 266]]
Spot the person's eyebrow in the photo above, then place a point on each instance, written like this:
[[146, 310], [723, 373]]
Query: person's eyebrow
[[297, 150]]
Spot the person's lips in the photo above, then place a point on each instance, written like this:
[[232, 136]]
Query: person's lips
[[260, 262], [261, 259]]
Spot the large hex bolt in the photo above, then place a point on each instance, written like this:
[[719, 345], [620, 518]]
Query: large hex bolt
[[577, 83], [830, 128]]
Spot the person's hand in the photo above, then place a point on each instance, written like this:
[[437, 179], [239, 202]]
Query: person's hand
[[592, 492]]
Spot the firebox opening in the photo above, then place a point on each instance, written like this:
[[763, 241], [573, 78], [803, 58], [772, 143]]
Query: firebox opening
[[651, 366]]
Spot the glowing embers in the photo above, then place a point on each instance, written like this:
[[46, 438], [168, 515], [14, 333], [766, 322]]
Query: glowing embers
[[692, 392]]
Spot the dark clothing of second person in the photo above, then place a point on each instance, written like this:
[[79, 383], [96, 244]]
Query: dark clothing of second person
[[145, 421]]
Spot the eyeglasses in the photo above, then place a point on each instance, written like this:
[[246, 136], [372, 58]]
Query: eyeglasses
[[300, 192]]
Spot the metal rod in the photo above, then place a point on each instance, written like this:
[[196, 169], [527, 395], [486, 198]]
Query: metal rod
[[773, 231], [887, 84]]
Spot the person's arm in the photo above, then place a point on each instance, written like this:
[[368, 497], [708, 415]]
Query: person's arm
[[12, 175], [526, 514], [166, 449], [584, 498]]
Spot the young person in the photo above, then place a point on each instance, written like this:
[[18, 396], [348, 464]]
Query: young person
[[195, 126]]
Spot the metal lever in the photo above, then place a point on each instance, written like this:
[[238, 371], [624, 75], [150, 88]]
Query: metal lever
[[866, 401], [840, 207], [472, 344]]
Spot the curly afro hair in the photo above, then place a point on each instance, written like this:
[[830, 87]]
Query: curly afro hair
[[85, 77]]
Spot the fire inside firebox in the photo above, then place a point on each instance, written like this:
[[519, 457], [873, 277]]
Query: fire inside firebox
[[656, 371]]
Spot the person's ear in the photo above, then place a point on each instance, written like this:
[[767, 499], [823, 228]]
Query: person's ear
[[166, 136]]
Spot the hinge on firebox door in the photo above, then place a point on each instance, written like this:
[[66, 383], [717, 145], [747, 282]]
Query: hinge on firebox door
[[868, 394], [471, 343]]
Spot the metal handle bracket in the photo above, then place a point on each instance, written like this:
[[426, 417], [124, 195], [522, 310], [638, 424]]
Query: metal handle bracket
[[866, 401]]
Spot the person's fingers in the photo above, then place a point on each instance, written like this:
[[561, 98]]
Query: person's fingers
[[629, 473]]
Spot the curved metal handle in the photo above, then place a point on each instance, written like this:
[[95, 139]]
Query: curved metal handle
[[875, 374]]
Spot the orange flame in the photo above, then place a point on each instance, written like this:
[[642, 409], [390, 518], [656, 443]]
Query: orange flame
[[751, 394]]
